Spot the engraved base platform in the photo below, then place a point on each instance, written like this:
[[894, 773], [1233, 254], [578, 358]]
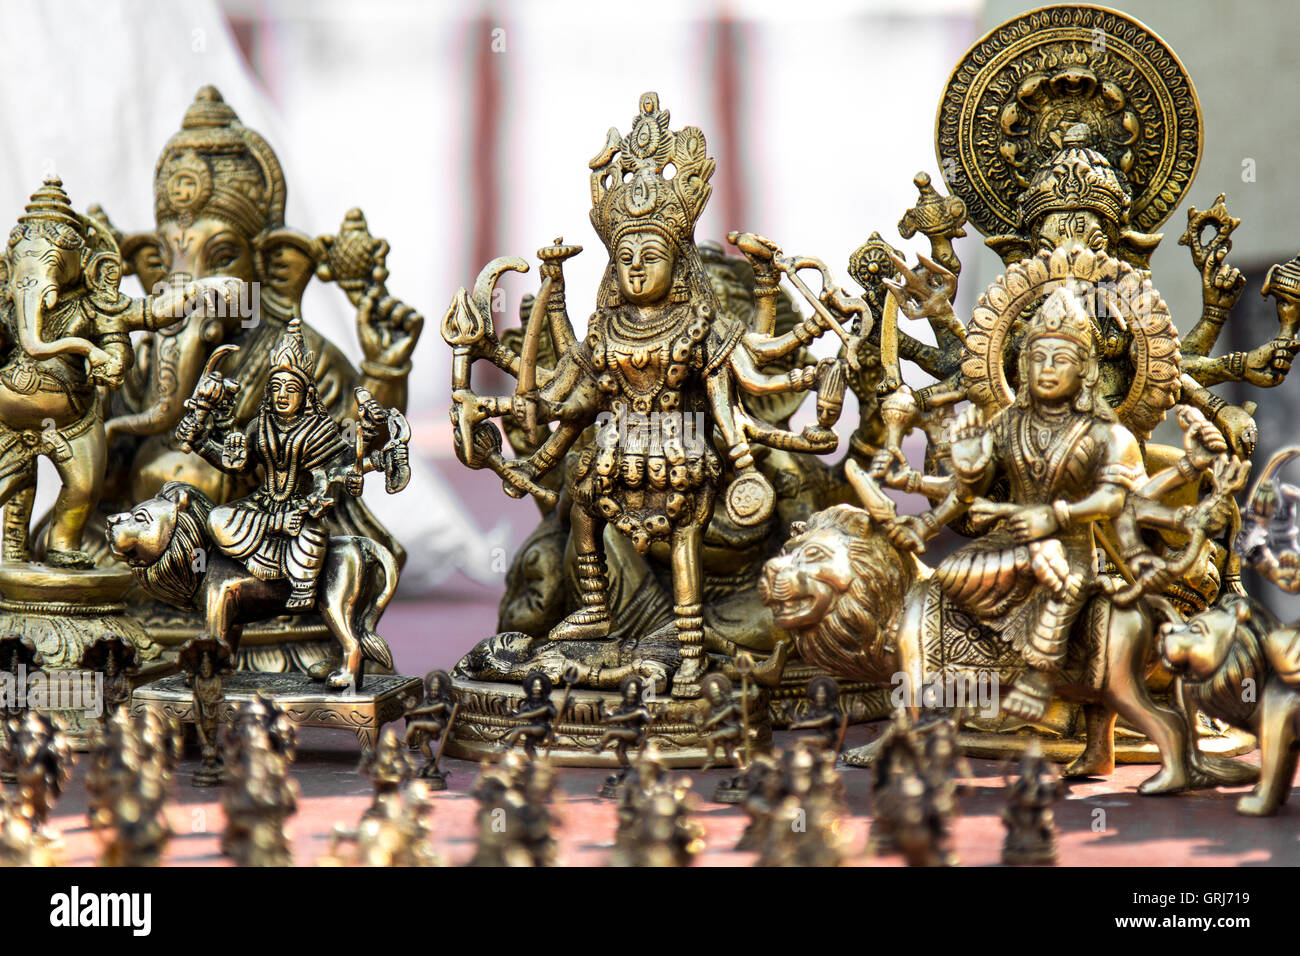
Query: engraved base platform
[[307, 703], [484, 719], [862, 702], [63, 610]]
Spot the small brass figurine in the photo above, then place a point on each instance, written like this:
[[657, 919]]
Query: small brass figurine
[[259, 798], [723, 729], [654, 819], [632, 718], [913, 796], [824, 724], [514, 817], [39, 758], [118, 661], [1031, 827], [271, 548], [428, 722], [21, 843], [396, 834], [536, 715], [205, 661], [387, 767], [127, 781], [806, 826]]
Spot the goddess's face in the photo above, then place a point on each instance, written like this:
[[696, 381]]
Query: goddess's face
[[1055, 370], [286, 394], [644, 263]]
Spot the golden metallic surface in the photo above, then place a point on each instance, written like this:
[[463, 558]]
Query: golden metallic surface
[[1011, 97]]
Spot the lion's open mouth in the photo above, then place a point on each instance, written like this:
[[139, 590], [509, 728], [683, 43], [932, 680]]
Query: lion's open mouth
[[795, 610]]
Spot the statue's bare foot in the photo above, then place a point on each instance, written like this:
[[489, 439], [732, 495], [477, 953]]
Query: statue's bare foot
[[1028, 700], [1092, 763], [1226, 772], [321, 669], [300, 599], [583, 625], [864, 756], [686, 682], [1174, 780], [79, 560]]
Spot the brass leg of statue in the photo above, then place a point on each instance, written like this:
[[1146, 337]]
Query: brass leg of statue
[[591, 621], [1098, 757], [82, 475], [688, 609]]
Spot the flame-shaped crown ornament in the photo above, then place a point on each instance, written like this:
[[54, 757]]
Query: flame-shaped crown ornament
[[629, 191]]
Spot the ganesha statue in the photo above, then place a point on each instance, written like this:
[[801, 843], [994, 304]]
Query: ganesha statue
[[220, 197]]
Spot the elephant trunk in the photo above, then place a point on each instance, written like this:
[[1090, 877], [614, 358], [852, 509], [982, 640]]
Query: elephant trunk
[[33, 298], [178, 363]]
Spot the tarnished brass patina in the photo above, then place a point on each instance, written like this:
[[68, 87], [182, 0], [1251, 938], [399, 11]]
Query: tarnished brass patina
[[220, 197], [635, 404]]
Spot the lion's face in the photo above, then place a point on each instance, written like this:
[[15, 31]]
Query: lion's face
[[141, 536], [800, 585], [1198, 648]]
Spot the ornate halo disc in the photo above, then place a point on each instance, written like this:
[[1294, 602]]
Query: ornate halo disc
[[1016, 91]]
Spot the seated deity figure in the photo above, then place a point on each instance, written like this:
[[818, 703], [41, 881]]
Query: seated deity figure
[[1070, 463], [279, 531]]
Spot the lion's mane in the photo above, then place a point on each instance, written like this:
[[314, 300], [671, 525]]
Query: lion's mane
[[1220, 695], [172, 577]]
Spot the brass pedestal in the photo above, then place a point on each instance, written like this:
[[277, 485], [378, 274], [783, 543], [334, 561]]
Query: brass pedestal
[[63, 610], [307, 703], [484, 718]]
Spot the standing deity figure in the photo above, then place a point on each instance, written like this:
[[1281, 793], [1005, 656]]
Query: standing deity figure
[[65, 331], [1070, 464], [660, 370]]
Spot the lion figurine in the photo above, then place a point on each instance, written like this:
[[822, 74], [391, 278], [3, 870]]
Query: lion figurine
[[1236, 662], [159, 539]]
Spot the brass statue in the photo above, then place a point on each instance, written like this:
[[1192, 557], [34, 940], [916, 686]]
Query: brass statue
[[260, 796], [655, 827], [387, 767], [395, 834], [824, 724], [428, 722], [273, 547], [806, 813], [220, 198], [205, 661], [67, 331], [662, 366], [1031, 826], [118, 661], [127, 780], [39, 757]]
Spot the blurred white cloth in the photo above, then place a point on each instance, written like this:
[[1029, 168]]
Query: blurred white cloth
[[90, 90]]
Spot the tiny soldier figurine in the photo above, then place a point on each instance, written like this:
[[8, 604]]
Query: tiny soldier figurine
[[634, 718], [127, 780], [259, 798], [387, 767], [426, 724], [536, 714], [263, 713], [397, 835], [205, 661], [661, 832], [898, 757], [824, 720], [117, 659], [1028, 817], [805, 825], [40, 759], [500, 820], [724, 728], [763, 791]]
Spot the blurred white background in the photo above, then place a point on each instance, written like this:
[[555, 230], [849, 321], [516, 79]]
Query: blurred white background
[[463, 130]]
